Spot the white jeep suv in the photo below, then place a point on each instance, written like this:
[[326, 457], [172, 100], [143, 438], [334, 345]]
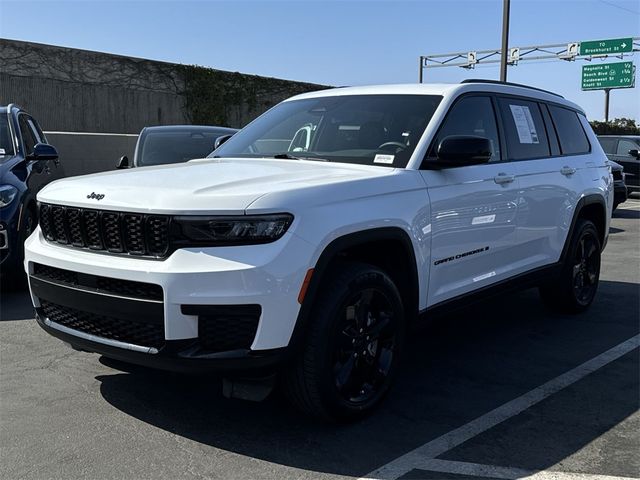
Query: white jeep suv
[[309, 241]]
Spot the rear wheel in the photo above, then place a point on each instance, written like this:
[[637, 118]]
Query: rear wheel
[[352, 350], [576, 287]]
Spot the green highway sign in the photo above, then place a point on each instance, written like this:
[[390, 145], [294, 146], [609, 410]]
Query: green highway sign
[[608, 75], [606, 47]]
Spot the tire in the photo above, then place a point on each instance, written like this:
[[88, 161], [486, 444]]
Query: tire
[[575, 288], [615, 205], [352, 348]]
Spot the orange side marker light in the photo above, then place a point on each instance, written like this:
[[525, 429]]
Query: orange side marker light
[[305, 285]]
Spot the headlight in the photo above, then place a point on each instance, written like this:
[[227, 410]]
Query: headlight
[[222, 230], [7, 194]]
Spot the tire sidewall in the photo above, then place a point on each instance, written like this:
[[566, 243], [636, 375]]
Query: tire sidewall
[[585, 227], [329, 320]]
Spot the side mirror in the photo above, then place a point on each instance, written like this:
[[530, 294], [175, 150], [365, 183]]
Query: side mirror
[[220, 140], [43, 151], [123, 162], [462, 150], [634, 153]]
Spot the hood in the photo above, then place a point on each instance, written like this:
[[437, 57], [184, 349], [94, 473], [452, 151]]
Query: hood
[[220, 186]]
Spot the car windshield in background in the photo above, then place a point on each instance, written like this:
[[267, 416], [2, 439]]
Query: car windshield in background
[[6, 146], [380, 130], [175, 146]]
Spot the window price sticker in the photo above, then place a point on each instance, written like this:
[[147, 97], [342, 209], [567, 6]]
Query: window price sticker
[[524, 124]]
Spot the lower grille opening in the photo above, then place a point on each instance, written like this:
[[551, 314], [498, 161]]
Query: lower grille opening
[[112, 328], [100, 284], [225, 327]]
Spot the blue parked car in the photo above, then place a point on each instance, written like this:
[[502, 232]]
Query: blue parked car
[[27, 163]]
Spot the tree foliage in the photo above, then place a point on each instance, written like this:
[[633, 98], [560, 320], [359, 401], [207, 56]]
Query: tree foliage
[[617, 126]]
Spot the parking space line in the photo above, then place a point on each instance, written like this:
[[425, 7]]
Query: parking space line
[[508, 473], [434, 448]]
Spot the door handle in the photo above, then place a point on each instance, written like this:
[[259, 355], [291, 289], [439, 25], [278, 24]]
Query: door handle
[[567, 171], [503, 178]]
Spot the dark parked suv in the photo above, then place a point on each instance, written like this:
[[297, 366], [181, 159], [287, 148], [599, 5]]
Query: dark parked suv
[[174, 144], [27, 163], [624, 149]]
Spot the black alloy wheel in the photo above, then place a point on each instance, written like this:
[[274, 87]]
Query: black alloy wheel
[[586, 268], [576, 286], [352, 347], [365, 346]]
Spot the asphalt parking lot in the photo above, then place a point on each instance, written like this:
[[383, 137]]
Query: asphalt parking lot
[[501, 390]]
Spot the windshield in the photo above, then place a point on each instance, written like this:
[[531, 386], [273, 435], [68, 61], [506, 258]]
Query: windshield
[[380, 130], [6, 145], [175, 146]]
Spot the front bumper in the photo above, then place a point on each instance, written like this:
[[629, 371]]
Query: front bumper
[[184, 356], [9, 245], [191, 280], [619, 192]]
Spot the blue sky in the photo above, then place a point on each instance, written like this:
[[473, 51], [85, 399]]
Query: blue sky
[[336, 42]]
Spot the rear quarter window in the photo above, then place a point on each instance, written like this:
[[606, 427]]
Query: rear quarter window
[[524, 129], [609, 145], [573, 140]]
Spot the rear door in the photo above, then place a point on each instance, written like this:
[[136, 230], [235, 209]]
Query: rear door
[[473, 208], [551, 170]]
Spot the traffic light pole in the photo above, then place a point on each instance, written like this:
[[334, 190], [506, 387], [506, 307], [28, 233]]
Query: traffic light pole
[[505, 40]]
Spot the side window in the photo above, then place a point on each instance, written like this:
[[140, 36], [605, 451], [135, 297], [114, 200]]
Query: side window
[[571, 135], [624, 146], [36, 128], [471, 116], [608, 144], [524, 129], [28, 137]]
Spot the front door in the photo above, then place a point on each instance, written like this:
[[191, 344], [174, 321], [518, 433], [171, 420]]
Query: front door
[[473, 209]]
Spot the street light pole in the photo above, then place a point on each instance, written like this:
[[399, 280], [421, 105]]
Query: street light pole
[[505, 40], [420, 68]]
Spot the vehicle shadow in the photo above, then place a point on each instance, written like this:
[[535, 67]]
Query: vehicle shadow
[[15, 304], [454, 371], [626, 213]]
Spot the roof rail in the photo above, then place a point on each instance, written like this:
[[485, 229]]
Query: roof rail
[[498, 82]]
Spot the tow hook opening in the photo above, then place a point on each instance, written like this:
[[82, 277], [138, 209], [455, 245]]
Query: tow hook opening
[[254, 389]]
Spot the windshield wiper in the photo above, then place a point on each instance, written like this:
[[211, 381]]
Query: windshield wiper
[[288, 156]]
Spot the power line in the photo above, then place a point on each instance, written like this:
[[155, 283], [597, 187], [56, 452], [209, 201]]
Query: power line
[[619, 6]]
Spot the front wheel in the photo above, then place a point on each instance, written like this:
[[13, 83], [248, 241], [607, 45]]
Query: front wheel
[[576, 287], [352, 348]]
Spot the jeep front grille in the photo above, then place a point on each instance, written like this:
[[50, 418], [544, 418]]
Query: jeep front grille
[[100, 230]]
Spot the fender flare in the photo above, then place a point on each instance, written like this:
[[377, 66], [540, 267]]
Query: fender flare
[[330, 253], [583, 202]]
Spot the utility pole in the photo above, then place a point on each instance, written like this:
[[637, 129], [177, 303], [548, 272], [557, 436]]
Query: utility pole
[[505, 40], [606, 104]]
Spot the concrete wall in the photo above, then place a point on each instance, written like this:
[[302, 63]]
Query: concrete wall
[[83, 153], [79, 107], [68, 89]]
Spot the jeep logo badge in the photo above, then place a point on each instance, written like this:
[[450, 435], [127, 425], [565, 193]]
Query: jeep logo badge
[[97, 196]]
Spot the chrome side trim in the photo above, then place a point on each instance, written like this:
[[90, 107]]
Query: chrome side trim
[[95, 292], [104, 341]]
